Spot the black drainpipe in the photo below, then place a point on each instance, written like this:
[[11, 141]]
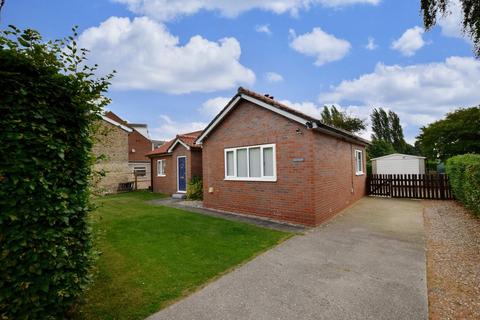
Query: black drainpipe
[[151, 174]]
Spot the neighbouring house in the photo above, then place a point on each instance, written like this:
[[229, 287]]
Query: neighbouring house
[[139, 144], [263, 158], [397, 163], [111, 146], [157, 143], [175, 163]]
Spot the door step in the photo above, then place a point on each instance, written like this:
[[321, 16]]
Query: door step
[[179, 196]]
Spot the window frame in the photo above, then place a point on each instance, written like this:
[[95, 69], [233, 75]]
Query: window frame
[[143, 168], [357, 172], [262, 169], [163, 167]]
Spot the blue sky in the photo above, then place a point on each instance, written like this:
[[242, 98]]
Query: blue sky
[[178, 62]]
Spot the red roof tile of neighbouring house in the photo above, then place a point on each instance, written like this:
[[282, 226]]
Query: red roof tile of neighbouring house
[[186, 138], [114, 117]]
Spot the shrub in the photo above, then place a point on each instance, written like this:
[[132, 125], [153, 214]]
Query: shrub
[[48, 105], [195, 189], [464, 175]]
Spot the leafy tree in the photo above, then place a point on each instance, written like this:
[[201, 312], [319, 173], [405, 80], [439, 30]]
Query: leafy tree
[[379, 148], [409, 149], [396, 132], [50, 102], [380, 125], [386, 128], [340, 119], [471, 17], [458, 133]]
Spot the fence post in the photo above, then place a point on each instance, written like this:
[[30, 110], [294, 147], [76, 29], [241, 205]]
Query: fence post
[[368, 185], [442, 187], [390, 194]]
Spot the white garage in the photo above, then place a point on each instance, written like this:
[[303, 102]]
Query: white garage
[[397, 163]]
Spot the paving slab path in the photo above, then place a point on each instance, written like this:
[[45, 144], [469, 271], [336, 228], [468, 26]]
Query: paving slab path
[[366, 263], [198, 208]]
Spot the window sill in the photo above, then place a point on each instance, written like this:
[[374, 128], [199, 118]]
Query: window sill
[[161, 175], [359, 173], [271, 179]]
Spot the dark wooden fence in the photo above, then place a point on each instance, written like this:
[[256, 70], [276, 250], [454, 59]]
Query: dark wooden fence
[[419, 186]]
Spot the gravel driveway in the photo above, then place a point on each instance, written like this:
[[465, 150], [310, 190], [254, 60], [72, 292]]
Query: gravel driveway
[[368, 262], [453, 261]]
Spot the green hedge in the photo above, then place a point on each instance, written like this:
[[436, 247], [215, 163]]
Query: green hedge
[[48, 111], [464, 175]]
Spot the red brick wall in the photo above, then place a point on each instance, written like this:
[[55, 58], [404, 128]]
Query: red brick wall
[[290, 197], [196, 163], [168, 184], [135, 141], [164, 184], [141, 145], [308, 190], [336, 183]]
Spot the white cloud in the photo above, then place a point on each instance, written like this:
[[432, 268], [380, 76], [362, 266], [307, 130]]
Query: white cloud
[[165, 10], [410, 41], [325, 47], [451, 24], [263, 28], [307, 107], [371, 45], [314, 110], [169, 128], [419, 93], [273, 77], [147, 56], [212, 107]]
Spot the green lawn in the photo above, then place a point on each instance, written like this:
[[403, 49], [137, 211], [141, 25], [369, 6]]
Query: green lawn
[[152, 255]]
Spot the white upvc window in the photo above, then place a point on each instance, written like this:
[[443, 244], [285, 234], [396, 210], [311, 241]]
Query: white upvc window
[[161, 168], [252, 163], [358, 162]]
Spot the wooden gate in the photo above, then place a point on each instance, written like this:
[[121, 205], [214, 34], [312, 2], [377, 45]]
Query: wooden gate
[[419, 186]]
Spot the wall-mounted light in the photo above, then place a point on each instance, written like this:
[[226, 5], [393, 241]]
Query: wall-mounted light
[[133, 150], [298, 131]]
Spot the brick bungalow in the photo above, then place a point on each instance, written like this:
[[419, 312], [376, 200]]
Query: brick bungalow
[[175, 163], [262, 158]]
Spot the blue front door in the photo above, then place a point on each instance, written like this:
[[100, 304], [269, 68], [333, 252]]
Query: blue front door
[[182, 174]]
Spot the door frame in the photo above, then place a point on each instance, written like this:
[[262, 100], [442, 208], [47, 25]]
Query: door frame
[[178, 175]]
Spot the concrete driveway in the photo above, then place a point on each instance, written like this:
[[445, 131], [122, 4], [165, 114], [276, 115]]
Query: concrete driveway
[[367, 263]]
